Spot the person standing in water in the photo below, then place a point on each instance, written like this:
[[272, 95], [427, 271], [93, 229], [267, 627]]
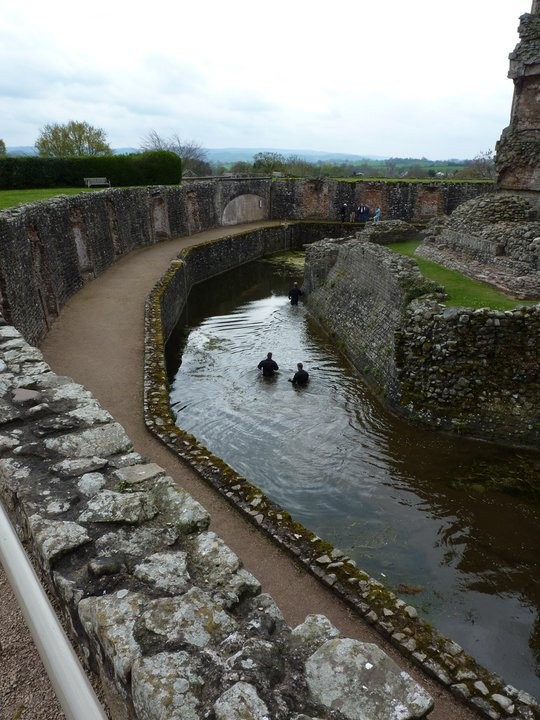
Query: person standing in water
[[268, 366], [301, 376], [294, 294]]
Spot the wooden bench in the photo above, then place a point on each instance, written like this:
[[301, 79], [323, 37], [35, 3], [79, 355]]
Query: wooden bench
[[92, 182]]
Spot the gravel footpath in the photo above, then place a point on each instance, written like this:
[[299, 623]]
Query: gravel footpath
[[25, 691]]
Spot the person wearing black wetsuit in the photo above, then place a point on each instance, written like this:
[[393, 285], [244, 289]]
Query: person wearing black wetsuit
[[294, 294], [268, 366], [301, 376]]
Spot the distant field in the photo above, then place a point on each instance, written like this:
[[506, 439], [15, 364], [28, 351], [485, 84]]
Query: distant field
[[462, 291]]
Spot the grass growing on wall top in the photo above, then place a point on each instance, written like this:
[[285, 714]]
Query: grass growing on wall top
[[404, 180], [462, 290], [12, 198]]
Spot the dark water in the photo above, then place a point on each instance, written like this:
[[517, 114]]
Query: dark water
[[409, 505]]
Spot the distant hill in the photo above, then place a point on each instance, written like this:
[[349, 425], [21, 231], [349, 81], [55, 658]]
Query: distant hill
[[231, 155], [21, 150]]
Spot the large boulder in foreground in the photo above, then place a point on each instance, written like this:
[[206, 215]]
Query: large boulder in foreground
[[363, 683]]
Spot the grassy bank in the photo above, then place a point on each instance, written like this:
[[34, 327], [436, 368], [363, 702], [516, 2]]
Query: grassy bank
[[12, 198], [462, 291]]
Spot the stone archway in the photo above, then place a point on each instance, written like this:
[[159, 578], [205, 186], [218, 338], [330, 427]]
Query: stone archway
[[244, 208]]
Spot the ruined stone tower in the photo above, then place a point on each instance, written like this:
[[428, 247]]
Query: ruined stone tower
[[518, 151]]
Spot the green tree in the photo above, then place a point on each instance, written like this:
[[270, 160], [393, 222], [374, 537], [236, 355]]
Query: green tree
[[72, 139], [268, 162], [194, 157], [219, 169], [241, 167], [481, 167], [484, 165], [390, 168], [296, 166], [3, 151], [329, 169]]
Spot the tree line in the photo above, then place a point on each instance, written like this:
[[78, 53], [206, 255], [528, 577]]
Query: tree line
[[77, 138]]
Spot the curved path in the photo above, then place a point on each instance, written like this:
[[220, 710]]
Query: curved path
[[98, 341]]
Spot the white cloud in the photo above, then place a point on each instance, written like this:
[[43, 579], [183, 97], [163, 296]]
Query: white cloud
[[415, 78]]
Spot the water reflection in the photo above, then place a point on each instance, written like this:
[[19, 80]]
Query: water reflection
[[409, 505]]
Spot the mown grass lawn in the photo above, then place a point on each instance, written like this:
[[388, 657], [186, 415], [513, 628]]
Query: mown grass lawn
[[12, 198], [462, 291]]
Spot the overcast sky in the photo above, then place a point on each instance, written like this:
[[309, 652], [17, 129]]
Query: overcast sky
[[403, 78]]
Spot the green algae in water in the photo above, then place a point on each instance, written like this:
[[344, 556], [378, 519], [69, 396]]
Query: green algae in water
[[519, 477], [292, 259]]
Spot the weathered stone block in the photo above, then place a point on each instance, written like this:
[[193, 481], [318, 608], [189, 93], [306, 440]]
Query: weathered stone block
[[363, 683]]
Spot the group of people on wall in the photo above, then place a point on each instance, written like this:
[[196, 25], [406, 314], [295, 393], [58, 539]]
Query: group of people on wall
[[360, 213], [269, 366]]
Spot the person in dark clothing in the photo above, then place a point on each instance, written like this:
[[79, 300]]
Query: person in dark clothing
[[294, 294], [343, 213], [301, 376], [268, 366]]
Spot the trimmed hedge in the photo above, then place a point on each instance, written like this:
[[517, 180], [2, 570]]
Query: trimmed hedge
[[155, 167]]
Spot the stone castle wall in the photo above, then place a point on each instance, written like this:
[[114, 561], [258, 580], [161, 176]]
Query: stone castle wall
[[456, 369], [357, 291], [50, 249], [472, 371], [418, 202]]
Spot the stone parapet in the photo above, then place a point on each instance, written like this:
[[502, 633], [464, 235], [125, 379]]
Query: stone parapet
[[322, 198]]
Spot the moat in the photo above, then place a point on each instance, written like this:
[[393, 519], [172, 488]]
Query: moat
[[421, 511]]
